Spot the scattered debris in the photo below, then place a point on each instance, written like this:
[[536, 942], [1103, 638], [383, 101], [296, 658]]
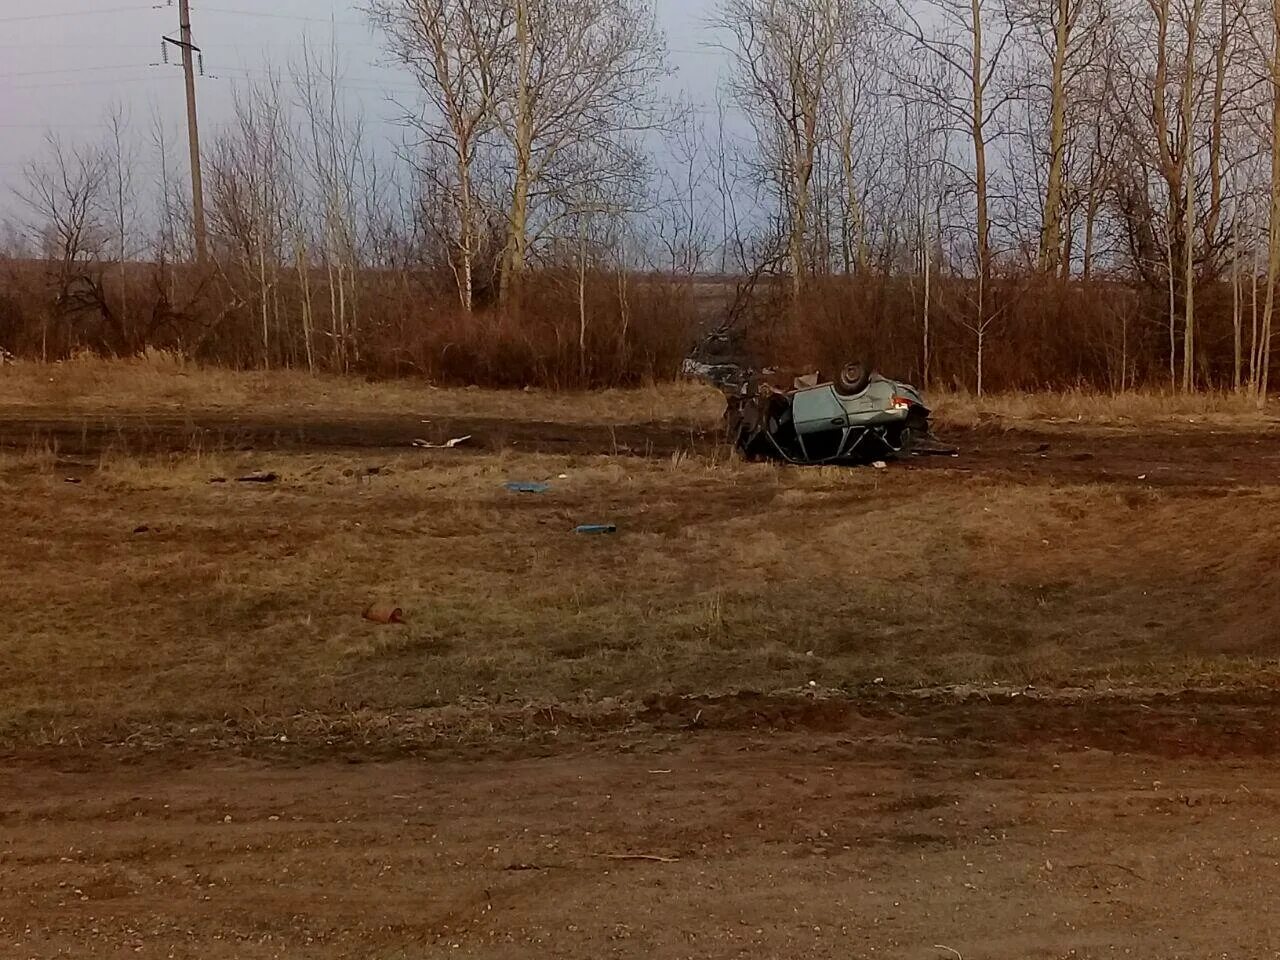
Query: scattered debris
[[447, 445], [259, 476], [640, 856], [526, 486], [596, 528], [1116, 866], [383, 613], [141, 528], [70, 479], [880, 465], [716, 374]]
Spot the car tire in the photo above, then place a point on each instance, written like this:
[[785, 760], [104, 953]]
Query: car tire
[[852, 379]]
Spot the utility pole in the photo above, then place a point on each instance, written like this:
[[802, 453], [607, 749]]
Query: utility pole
[[193, 129]]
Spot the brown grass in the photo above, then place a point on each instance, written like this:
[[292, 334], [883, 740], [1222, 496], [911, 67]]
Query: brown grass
[[166, 383], [241, 604], [162, 382], [1131, 408]]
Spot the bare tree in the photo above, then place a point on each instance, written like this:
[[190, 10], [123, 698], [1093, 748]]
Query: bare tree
[[164, 249], [583, 73], [333, 165], [65, 191], [1177, 100], [459, 52], [1063, 38], [121, 158], [925, 167], [680, 215], [1095, 142], [1263, 362], [786, 59], [1194, 10], [863, 129], [959, 35], [250, 173]]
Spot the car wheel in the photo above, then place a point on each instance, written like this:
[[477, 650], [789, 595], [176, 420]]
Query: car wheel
[[853, 379]]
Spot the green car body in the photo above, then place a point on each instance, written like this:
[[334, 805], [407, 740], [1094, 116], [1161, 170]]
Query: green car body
[[872, 418]]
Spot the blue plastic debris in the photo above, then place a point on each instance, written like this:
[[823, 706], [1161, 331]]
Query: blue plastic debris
[[526, 486], [597, 528]]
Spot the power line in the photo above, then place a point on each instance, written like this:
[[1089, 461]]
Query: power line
[[233, 44], [73, 13], [48, 126], [41, 73], [280, 16], [84, 83], [372, 84], [62, 45], [23, 164]]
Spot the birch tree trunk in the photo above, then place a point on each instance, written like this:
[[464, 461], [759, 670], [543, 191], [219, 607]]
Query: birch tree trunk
[[1188, 153], [1273, 231], [1051, 233]]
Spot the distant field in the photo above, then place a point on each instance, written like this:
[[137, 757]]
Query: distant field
[[164, 384]]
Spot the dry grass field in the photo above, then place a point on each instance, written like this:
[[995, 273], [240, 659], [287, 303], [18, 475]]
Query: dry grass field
[[161, 383], [148, 597], [944, 694]]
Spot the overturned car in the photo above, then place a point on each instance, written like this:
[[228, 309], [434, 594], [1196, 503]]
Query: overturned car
[[857, 416]]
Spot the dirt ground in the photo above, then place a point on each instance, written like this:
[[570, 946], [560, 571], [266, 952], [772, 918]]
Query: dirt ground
[[726, 845], [1022, 703], [1158, 455]]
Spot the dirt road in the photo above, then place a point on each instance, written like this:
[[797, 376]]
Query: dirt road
[[710, 846], [1194, 455]]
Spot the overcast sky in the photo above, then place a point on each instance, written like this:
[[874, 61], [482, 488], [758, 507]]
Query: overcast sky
[[63, 63]]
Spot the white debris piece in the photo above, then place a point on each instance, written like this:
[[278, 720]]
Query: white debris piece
[[447, 445]]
